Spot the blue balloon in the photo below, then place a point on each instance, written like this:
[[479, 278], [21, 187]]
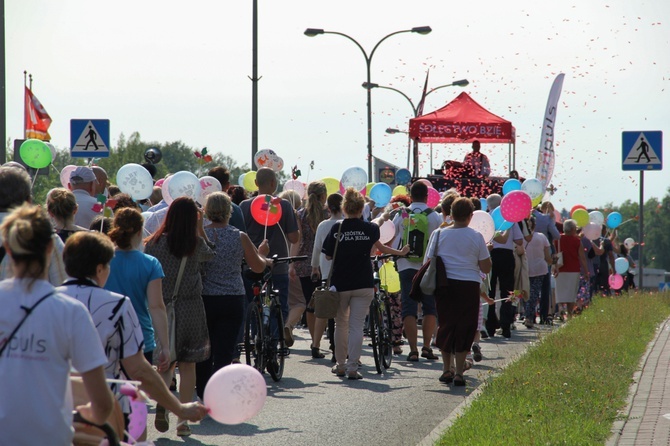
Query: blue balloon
[[613, 220], [381, 194], [403, 177], [511, 185], [485, 205], [500, 223]]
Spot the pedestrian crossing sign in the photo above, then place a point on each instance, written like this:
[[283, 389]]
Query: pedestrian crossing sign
[[642, 150], [89, 138]]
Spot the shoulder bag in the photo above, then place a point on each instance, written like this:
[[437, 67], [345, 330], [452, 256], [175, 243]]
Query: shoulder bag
[[559, 255], [327, 302], [169, 310]]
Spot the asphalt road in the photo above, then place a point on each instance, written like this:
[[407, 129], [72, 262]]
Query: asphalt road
[[311, 406]]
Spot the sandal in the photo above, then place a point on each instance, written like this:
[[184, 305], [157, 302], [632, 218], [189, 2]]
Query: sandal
[[316, 353], [467, 365], [397, 350], [427, 352], [413, 356], [183, 429], [459, 380], [446, 377]]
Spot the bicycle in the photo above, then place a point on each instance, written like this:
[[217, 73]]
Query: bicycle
[[264, 344], [380, 322]]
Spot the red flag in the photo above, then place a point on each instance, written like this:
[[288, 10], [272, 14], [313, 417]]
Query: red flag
[[37, 119], [419, 108]]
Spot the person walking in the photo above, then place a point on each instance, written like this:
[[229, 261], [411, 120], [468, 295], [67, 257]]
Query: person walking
[[413, 226], [309, 219], [569, 245], [538, 254], [58, 334], [465, 255], [352, 276], [181, 244], [222, 287]]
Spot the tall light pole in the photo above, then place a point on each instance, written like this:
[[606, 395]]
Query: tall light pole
[[254, 83], [392, 131], [312, 32], [415, 111]]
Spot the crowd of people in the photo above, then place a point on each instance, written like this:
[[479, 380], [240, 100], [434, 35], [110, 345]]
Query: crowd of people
[[129, 298]]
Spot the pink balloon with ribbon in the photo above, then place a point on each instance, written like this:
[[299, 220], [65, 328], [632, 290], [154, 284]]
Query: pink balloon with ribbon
[[615, 281], [515, 206], [138, 415]]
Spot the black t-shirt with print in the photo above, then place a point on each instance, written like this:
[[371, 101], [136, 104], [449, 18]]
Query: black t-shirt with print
[[352, 269]]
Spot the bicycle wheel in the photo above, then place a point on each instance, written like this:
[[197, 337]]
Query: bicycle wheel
[[253, 337], [386, 333], [276, 347], [375, 322]]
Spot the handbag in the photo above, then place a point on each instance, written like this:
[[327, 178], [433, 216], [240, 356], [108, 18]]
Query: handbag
[[429, 279], [326, 301], [171, 320], [559, 256]]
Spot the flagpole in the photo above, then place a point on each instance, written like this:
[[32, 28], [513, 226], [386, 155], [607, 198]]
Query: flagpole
[[25, 123]]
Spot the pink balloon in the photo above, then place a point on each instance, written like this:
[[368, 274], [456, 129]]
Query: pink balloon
[[426, 182], [160, 182], [515, 206], [433, 197], [591, 231], [235, 394], [65, 175], [386, 232], [557, 216], [615, 281]]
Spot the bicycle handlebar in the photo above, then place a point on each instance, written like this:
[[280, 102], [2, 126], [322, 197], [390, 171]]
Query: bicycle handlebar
[[385, 256], [277, 260], [110, 433]]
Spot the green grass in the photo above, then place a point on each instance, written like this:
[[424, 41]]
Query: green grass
[[568, 388]]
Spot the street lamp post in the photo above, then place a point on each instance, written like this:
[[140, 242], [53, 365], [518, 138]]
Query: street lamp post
[[312, 32], [415, 111], [392, 131]]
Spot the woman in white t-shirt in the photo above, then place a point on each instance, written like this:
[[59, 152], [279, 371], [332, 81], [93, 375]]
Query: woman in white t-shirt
[[46, 333], [464, 254], [538, 254]]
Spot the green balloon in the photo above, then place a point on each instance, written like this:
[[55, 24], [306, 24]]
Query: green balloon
[[35, 153]]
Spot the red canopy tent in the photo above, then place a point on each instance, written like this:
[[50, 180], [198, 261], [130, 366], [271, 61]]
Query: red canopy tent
[[461, 121]]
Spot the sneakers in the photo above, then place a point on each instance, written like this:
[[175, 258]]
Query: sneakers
[[288, 336], [476, 352], [354, 375], [161, 422], [338, 372]]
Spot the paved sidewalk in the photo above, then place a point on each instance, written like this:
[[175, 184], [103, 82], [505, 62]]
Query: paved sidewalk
[[646, 420]]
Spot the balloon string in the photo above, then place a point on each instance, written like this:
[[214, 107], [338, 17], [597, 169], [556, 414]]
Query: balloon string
[[285, 239], [55, 168], [34, 180], [267, 215]]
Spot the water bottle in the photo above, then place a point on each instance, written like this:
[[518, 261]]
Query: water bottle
[[266, 314]]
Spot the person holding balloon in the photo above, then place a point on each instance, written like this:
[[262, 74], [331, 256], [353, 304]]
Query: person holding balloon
[[181, 244], [605, 266], [274, 221], [223, 291], [87, 257], [309, 219], [352, 277], [569, 245], [465, 255], [629, 278]]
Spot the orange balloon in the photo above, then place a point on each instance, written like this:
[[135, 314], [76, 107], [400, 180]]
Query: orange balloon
[[266, 210]]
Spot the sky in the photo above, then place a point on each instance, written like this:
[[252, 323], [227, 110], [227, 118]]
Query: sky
[[180, 71]]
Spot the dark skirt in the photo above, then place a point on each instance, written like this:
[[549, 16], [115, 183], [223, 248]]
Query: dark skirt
[[457, 315]]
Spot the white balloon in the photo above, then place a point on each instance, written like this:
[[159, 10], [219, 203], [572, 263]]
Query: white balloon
[[591, 231], [65, 175], [386, 232], [135, 181], [482, 222], [629, 243], [184, 184], [354, 177], [596, 217], [532, 187], [265, 158], [209, 185], [166, 191], [297, 186]]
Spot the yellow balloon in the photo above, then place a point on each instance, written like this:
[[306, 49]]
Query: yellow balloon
[[332, 185], [368, 187], [581, 217], [389, 277], [399, 190], [537, 200], [250, 181]]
